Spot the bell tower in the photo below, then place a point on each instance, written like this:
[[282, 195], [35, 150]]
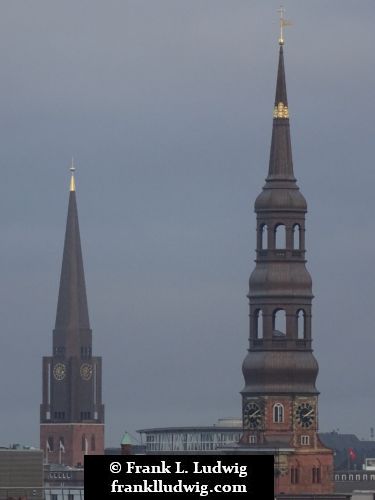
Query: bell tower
[[280, 398], [72, 413]]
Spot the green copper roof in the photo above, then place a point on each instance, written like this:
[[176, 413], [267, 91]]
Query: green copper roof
[[126, 439]]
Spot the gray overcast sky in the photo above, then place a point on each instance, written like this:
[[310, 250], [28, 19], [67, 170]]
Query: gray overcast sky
[[166, 106]]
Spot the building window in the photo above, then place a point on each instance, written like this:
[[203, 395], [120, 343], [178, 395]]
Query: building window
[[252, 439], [85, 352], [85, 415], [93, 442], [294, 475], [305, 440], [59, 415], [54, 497], [60, 351], [70, 496], [84, 443], [278, 413], [316, 475]]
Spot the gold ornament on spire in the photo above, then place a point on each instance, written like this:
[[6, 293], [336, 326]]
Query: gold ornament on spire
[[281, 111], [283, 23], [72, 181]]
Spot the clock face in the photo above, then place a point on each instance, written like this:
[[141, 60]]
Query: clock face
[[86, 371], [59, 371], [252, 415], [305, 414]]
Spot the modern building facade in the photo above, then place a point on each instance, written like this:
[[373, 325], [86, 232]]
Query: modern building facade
[[21, 473], [72, 413], [184, 440], [280, 398]]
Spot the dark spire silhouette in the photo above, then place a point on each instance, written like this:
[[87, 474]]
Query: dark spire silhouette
[[280, 83], [281, 162], [280, 397], [280, 361], [72, 376], [72, 311]]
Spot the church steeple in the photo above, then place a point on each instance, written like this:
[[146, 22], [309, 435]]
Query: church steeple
[[72, 413], [280, 291], [72, 311], [281, 162], [281, 96], [280, 398]]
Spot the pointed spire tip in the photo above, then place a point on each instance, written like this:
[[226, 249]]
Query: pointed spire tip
[[72, 180], [281, 102]]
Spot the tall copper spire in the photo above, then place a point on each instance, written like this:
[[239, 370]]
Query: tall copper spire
[[280, 398], [280, 285], [281, 97], [72, 412], [281, 162], [72, 311]]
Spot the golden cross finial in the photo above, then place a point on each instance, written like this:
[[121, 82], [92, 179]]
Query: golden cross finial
[[72, 181], [283, 23]]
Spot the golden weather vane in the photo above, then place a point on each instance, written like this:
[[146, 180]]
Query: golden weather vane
[[283, 22]]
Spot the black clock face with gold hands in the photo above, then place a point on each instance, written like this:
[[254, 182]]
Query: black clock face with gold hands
[[305, 414], [252, 415]]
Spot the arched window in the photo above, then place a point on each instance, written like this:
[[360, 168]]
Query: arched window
[[301, 324], [305, 440], [316, 477], [294, 475], [263, 237], [296, 237], [279, 322], [280, 236], [258, 324], [93, 442], [278, 413]]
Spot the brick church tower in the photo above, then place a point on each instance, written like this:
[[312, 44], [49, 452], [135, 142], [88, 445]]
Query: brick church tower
[[72, 413], [280, 399]]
